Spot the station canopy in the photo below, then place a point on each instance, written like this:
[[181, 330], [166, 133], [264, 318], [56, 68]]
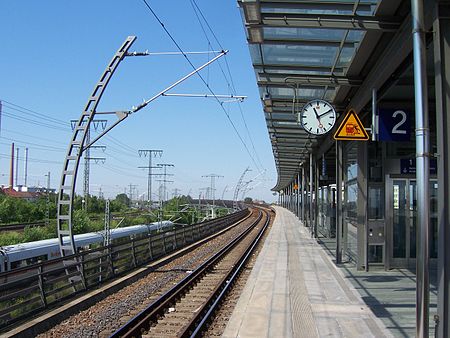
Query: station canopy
[[306, 50]]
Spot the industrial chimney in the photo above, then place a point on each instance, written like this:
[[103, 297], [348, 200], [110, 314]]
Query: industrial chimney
[[11, 171]]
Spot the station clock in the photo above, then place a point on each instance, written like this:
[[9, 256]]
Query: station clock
[[317, 117]]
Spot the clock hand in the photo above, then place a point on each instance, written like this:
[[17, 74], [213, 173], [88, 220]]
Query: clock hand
[[327, 112], [317, 115]]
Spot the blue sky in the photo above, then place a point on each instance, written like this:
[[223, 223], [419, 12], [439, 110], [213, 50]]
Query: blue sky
[[52, 55]]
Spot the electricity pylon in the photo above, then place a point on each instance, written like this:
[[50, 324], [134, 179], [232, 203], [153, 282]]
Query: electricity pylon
[[150, 153], [213, 188], [87, 156], [164, 180]]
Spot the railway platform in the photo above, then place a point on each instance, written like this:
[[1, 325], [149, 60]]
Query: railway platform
[[296, 290]]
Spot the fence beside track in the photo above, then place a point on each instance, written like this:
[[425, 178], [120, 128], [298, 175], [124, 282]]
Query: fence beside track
[[29, 290]]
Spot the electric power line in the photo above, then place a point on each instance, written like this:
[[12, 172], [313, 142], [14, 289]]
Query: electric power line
[[197, 8], [203, 80], [34, 113]]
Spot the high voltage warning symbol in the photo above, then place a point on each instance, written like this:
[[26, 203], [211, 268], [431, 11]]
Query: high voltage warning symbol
[[351, 129]]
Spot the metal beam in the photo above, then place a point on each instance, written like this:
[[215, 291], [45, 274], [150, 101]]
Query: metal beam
[[303, 42], [314, 80], [299, 68], [329, 21], [283, 85], [331, 5]]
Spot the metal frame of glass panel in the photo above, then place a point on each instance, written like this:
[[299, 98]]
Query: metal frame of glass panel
[[302, 50]]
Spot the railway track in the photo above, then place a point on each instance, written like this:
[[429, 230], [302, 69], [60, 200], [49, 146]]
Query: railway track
[[20, 227], [187, 308], [102, 317], [162, 257]]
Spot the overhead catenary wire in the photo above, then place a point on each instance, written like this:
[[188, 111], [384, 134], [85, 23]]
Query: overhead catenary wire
[[60, 126], [197, 8], [202, 79]]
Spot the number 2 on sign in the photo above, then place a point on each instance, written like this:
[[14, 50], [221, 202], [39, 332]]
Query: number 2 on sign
[[396, 129]]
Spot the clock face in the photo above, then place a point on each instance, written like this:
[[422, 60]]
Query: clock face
[[318, 117]]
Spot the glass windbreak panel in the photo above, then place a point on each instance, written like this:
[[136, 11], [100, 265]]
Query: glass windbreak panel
[[352, 196], [320, 206], [346, 56], [307, 93], [351, 174], [413, 218], [433, 219], [352, 239], [354, 36], [375, 254], [352, 168], [304, 34], [300, 55], [325, 71], [303, 93], [399, 218], [332, 211], [255, 53], [330, 94], [376, 203]]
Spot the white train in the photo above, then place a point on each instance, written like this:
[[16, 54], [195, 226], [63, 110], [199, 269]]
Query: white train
[[20, 255]]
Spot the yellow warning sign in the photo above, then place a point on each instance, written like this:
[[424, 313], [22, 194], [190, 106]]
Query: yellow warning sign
[[351, 129], [295, 186]]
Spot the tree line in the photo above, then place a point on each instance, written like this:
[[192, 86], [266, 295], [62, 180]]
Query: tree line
[[90, 219]]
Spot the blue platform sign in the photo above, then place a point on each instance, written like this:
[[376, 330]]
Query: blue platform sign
[[408, 166], [395, 125]]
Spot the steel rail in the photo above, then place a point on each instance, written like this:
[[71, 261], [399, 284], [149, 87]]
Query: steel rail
[[199, 323], [143, 320]]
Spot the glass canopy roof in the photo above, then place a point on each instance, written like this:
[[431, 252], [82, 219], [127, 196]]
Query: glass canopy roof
[[302, 50]]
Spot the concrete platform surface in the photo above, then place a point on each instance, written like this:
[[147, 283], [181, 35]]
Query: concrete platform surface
[[295, 290]]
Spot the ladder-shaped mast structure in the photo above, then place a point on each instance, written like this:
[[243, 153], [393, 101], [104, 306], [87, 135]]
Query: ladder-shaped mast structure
[[80, 141]]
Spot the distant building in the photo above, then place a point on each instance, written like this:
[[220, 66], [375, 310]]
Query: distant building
[[43, 190], [27, 193]]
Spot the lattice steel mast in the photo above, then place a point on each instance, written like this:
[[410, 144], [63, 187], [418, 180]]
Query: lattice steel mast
[[213, 189], [149, 152]]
